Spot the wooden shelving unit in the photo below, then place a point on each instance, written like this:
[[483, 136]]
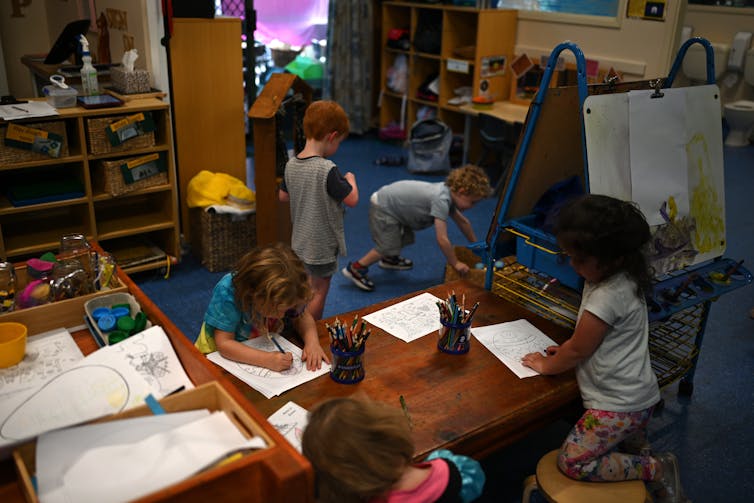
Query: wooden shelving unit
[[474, 43], [118, 223]]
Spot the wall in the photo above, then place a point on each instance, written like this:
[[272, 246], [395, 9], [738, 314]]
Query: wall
[[31, 27], [719, 25], [24, 30], [638, 48]]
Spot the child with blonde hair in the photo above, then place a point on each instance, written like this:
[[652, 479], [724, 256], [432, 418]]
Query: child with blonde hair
[[400, 208], [362, 451], [267, 290], [318, 192]]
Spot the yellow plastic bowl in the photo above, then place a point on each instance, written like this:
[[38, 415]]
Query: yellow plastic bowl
[[12, 343]]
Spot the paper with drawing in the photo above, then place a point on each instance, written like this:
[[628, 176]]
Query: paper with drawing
[[270, 382], [410, 319], [510, 341], [290, 420]]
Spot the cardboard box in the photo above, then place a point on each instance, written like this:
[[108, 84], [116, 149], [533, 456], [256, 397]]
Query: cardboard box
[[137, 81], [209, 396], [471, 259], [66, 313]]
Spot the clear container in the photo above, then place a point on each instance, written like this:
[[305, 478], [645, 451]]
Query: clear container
[[59, 97], [7, 287]]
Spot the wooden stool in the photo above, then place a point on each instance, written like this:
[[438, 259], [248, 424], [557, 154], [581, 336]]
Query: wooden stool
[[557, 488]]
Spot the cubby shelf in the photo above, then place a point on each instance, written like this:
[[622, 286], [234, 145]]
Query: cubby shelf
[[137, 216], [477, 46]]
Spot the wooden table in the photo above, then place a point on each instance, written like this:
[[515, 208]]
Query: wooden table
[[471, 404], [504, 110], [280, 474]]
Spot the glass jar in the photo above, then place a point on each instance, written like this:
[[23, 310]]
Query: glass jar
[[7, 287], [76, 247]]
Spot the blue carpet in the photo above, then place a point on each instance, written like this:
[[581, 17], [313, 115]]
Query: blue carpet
[[710, 431]]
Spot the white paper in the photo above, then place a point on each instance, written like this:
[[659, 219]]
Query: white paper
[[59, 449], [270, 382], [409, 320], [290, 420], [47, 355], [99, 385], [511, 341], [27, 110], [125, 472], [657, 128], [151, 354]]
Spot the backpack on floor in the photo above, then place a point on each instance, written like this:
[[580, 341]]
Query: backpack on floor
[[429, 147]]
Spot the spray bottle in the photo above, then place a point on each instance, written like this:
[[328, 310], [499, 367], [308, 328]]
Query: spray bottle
[[88, 72]]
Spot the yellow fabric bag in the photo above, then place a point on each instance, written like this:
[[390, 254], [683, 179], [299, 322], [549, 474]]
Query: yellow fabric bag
[[207, 188]]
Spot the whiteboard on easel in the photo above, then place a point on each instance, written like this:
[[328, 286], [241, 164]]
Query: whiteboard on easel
[[666, 154]]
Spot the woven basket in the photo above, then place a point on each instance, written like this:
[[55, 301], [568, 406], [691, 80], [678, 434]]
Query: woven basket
[[115, 185], [12, 154], [99, 143], [221, 239]]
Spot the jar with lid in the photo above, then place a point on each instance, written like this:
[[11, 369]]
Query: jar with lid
[[7, 287], [76, 247]]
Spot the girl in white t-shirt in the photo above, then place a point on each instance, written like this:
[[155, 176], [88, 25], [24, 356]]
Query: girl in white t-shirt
[[604, 238]]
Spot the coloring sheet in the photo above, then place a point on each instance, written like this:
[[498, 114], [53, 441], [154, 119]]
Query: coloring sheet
[[47, 355], [270, 382], [410, 319], [151, 354], [290, 420], [103, 383], [511, 341]]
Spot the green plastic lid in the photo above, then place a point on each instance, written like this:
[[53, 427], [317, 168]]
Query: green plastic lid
[[116, 336], [126, 323]]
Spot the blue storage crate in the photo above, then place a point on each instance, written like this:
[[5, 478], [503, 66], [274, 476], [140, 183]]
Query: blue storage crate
[[538, 250]]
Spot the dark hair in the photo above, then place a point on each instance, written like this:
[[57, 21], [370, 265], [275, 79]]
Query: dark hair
[[613, 231], [359, 448]]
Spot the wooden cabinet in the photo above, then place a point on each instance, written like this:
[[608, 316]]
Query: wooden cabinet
[[476, 49], [145, 218], [206, 63]]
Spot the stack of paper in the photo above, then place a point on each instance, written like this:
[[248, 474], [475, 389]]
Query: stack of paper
[[270, 382], [127, 459], [110, 380]]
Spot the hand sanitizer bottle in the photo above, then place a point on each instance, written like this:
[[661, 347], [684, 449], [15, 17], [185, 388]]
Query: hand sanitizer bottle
[[89, 83]]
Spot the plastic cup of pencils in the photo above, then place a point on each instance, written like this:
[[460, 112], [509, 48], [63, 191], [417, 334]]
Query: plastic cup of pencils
[[347, 366], [454, 337]]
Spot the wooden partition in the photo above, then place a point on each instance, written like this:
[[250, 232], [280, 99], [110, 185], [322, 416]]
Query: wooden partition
[[273, 217]]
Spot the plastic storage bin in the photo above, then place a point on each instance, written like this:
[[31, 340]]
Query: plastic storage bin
[[539, 250], [60, 98]]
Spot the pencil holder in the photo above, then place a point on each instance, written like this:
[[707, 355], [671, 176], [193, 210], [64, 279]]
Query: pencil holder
[[347, 366], [454, 338]]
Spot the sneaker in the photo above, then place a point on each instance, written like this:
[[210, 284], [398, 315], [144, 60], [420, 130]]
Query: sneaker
[[359, 276], [671, 491], [396, 262]]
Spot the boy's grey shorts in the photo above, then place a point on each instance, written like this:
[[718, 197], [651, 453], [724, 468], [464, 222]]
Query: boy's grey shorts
[[389, 235], [322, 270]]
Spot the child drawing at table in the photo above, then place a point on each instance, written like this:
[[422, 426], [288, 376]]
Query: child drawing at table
[[604, 238], [362, 451], [400, 208], [318, 192], [267, 289]]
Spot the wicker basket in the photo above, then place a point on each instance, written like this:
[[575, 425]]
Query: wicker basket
[[10, 155], [221, 239], [99, 143], [115, 185]]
